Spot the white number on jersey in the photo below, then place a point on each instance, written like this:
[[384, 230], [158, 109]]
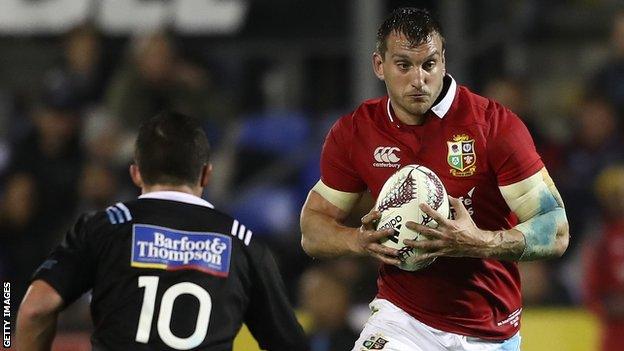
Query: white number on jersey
[[150, 283]]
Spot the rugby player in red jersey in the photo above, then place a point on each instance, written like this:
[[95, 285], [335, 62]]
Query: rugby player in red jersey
[[506, 206]]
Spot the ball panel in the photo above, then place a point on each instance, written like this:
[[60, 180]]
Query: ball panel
[[398, 203]]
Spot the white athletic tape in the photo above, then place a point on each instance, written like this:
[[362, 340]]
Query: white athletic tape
[[341, 199]]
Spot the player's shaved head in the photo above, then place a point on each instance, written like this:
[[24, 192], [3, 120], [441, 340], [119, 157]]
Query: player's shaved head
[[171, 149], [417, 25]]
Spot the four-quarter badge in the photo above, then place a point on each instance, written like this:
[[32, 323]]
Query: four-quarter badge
[[461, 156]]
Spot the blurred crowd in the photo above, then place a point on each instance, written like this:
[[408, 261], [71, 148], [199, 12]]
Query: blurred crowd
[[66, 149]]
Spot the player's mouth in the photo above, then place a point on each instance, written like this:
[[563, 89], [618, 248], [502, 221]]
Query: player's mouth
[[418, 96]]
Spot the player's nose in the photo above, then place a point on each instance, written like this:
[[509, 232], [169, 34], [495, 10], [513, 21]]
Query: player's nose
[[418, 78]]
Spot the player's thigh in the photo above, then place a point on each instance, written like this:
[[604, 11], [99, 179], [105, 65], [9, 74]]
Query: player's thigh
[[390, 329], [378, 338]]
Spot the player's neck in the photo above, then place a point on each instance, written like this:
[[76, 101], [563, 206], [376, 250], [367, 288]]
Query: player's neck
[[197, 191]]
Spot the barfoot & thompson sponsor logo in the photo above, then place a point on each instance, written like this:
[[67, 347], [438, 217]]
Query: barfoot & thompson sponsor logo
[[6, 315], [386, 157], [170, 249]]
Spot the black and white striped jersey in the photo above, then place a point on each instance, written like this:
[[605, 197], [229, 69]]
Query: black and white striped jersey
[[168, 271]]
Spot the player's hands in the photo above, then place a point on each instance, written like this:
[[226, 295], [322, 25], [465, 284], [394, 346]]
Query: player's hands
[[367, 240], [457, 237]]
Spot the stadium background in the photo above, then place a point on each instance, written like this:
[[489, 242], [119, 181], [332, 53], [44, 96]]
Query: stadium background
[[268, 78]]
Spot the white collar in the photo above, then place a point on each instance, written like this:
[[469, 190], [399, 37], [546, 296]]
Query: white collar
[[177, 196], [441, 108]]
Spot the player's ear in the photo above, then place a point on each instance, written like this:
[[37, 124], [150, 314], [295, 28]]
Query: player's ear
[[135, 174], [378, 65], [205, 175]]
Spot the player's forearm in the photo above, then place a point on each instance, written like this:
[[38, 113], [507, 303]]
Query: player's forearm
[[543, 223], [501, 245], [35, 331], [546, 235], [323, 236], [543, 236]]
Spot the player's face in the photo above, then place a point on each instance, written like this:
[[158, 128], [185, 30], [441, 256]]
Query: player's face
[[413, 74]]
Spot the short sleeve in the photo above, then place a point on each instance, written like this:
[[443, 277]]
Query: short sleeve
[[70, 267], [270, 317], [511, 151], [337, 169]]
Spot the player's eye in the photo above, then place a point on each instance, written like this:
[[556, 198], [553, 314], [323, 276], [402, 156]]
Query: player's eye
[[429, 65], [404, 66]]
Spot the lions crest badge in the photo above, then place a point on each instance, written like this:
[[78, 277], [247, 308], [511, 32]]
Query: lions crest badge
[[375, 342], [461, 156]]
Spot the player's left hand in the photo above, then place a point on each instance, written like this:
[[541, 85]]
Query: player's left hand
[[458, 237]]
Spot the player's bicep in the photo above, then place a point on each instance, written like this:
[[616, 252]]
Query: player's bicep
[[334, 203], [532, 196], [36, 319], [543, 222], [41, 299]]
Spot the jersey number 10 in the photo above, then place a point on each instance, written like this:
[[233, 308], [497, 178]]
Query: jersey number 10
[[150, 283]]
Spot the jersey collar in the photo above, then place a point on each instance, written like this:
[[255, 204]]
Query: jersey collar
[[443, 105], [177, 196]]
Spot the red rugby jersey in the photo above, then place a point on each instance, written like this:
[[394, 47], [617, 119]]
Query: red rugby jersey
[[604, 268], [474, 145]]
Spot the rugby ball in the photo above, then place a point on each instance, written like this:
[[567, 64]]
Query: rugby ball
[[398, 203]]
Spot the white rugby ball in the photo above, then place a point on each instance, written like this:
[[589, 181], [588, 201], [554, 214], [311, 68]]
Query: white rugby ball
[[398, 203]]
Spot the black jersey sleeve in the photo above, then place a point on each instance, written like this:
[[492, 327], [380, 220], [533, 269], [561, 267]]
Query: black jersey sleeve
[[270, 317], [70, 268]]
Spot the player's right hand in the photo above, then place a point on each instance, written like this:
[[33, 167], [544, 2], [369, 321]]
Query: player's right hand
[[367, 240]]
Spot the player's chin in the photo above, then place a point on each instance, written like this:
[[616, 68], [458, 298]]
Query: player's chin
[[419, 108]]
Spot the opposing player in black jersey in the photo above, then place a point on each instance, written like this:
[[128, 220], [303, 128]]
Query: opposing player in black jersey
[[168, 271]]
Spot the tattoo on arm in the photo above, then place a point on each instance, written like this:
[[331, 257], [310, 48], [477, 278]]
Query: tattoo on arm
[[541, 231]]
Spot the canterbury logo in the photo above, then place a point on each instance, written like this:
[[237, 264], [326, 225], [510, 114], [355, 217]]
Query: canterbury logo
[[387, 154]]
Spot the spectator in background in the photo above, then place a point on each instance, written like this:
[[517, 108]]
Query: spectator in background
[[98, 187], [157, 78], [540, 283], [17, 211], [595, 145], [52, 153], [83, 63], [326, 298], [604, 290], [108, 149], [515, 94], [81, 67], [609, 78], [43, 178], [512, 94]]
